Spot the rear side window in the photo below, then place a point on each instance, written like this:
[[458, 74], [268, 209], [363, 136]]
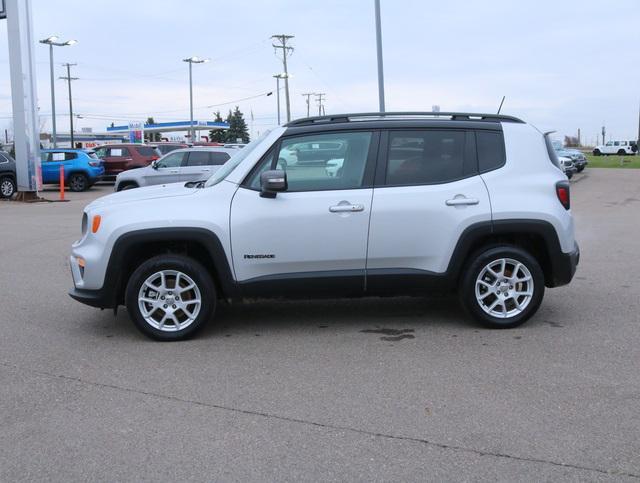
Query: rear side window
[[70, 156], [490, 148], [118, 152], [553, 157], [198, 158], [146, 151], [427, 157], [219, 158]]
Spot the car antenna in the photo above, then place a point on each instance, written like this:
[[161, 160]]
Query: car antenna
[[501, 102]]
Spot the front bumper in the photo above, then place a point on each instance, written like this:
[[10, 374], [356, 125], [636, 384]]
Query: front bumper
[[564, 267], [93, 298]]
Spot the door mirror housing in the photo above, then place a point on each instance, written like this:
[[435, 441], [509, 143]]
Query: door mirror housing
[[154, 164], [272, 182]]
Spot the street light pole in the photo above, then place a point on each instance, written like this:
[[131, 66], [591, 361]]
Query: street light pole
[[379, 48], [191, 61], [51, 42]]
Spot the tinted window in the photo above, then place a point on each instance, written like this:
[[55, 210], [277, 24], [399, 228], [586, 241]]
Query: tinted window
[[147, 151], [171, 160], [490, 147], [3, 159], [218, 158], [199, 158], [70, 156], [426, 157], [341, 165]]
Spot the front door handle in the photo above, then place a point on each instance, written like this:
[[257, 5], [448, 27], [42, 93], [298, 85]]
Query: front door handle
[[174, 171], [461, 201], [346, 208]]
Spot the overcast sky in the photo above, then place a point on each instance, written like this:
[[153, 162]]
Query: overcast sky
[[563, 64]]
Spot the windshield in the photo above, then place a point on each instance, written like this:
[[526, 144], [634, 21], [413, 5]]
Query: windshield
[[235, 160]]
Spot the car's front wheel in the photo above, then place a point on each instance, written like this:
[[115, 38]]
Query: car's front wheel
[[7, 187], [502, 287], [170, 297], [596, 152]]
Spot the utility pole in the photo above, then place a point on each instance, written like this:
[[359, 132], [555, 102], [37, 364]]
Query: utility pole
[[277, 77], [579, 140], [308, 95], [319, 99], [604, 132], [68, 78], [379, 50], [286, 50]]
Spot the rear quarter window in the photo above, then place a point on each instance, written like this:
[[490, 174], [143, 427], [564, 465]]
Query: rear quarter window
[[490, 148], [553, 157]]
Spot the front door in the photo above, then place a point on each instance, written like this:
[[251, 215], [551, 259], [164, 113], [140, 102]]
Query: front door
[[166, 169], [311, 239]]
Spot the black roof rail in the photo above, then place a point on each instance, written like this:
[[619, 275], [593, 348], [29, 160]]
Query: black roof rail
[[368, 116]]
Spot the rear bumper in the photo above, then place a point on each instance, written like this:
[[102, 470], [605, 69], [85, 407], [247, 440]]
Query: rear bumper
[[564, 267]]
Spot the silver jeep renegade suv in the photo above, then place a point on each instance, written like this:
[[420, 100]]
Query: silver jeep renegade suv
[[375, 204]]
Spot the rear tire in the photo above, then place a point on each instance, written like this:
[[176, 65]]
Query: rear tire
[[596, 152], [621, 152], [502, 287], [78, 182], [7, 187], [170, 297]]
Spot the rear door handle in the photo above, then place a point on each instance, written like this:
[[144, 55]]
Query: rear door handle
[[346, 208], [461, 201], [174, 171]]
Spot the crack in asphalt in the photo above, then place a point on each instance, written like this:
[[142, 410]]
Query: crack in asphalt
[[320, 425]]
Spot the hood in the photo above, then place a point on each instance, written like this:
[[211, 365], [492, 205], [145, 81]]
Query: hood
[[143, 194]]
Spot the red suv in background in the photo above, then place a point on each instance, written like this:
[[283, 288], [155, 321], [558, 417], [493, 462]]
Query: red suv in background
[[121, 157]]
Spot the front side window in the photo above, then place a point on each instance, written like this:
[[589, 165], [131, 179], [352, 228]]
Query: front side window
[[171, 160], [426, 157], [323, 162]]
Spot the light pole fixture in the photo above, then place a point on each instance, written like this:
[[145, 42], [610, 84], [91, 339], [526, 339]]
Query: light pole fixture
[[53, 42], [191, 61]]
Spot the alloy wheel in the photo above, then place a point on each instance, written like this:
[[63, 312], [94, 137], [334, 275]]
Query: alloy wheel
[[504, 288]]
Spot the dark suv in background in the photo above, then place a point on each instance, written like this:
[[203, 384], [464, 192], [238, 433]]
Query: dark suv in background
[[7, 175], [121, 157]]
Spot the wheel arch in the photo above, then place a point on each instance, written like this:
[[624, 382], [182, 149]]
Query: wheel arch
[[133, 248], [538, 237]]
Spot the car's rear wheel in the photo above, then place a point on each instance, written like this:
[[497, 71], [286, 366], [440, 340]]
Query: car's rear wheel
[[502, 287], [78, 182], [621, 152], [170, 297], [7, 187], [596, 152]]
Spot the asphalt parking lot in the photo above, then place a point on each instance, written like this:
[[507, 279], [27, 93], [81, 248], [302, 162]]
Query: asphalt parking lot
[[398, 389]]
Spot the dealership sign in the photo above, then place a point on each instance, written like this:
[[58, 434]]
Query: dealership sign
[[136, 132]]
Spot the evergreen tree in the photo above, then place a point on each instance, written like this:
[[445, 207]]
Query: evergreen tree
[[152, 137], [237, 127], [217, 135]]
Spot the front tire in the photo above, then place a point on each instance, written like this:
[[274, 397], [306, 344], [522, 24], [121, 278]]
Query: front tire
[[502, 287], [170, 297], [621, 152], [7, 187], [596, 152]]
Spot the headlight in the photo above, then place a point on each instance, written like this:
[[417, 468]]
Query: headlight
[[85, 222]]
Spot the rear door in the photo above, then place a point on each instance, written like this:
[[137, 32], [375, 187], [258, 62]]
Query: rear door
[[428, 190], [202, 164], [116, 159]]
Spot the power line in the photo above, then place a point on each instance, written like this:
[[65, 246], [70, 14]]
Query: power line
[[286, 50]]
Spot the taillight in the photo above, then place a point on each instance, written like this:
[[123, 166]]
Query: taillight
[[95, 164], [564, 194]]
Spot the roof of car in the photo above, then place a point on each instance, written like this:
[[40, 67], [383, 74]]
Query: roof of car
[[67, 150]]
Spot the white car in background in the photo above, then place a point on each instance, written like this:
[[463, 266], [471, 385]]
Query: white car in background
[[616, 147], [188, 164]]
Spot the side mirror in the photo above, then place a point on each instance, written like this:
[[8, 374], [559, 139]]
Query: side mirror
[[272, 182], [154, 164]]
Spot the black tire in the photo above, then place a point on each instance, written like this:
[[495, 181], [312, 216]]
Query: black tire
[[7, 187], [569, 174], [580, 169], [476, 265], [596, 152], [187, 266], [127, 186], [78, 182], [621, 152]]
